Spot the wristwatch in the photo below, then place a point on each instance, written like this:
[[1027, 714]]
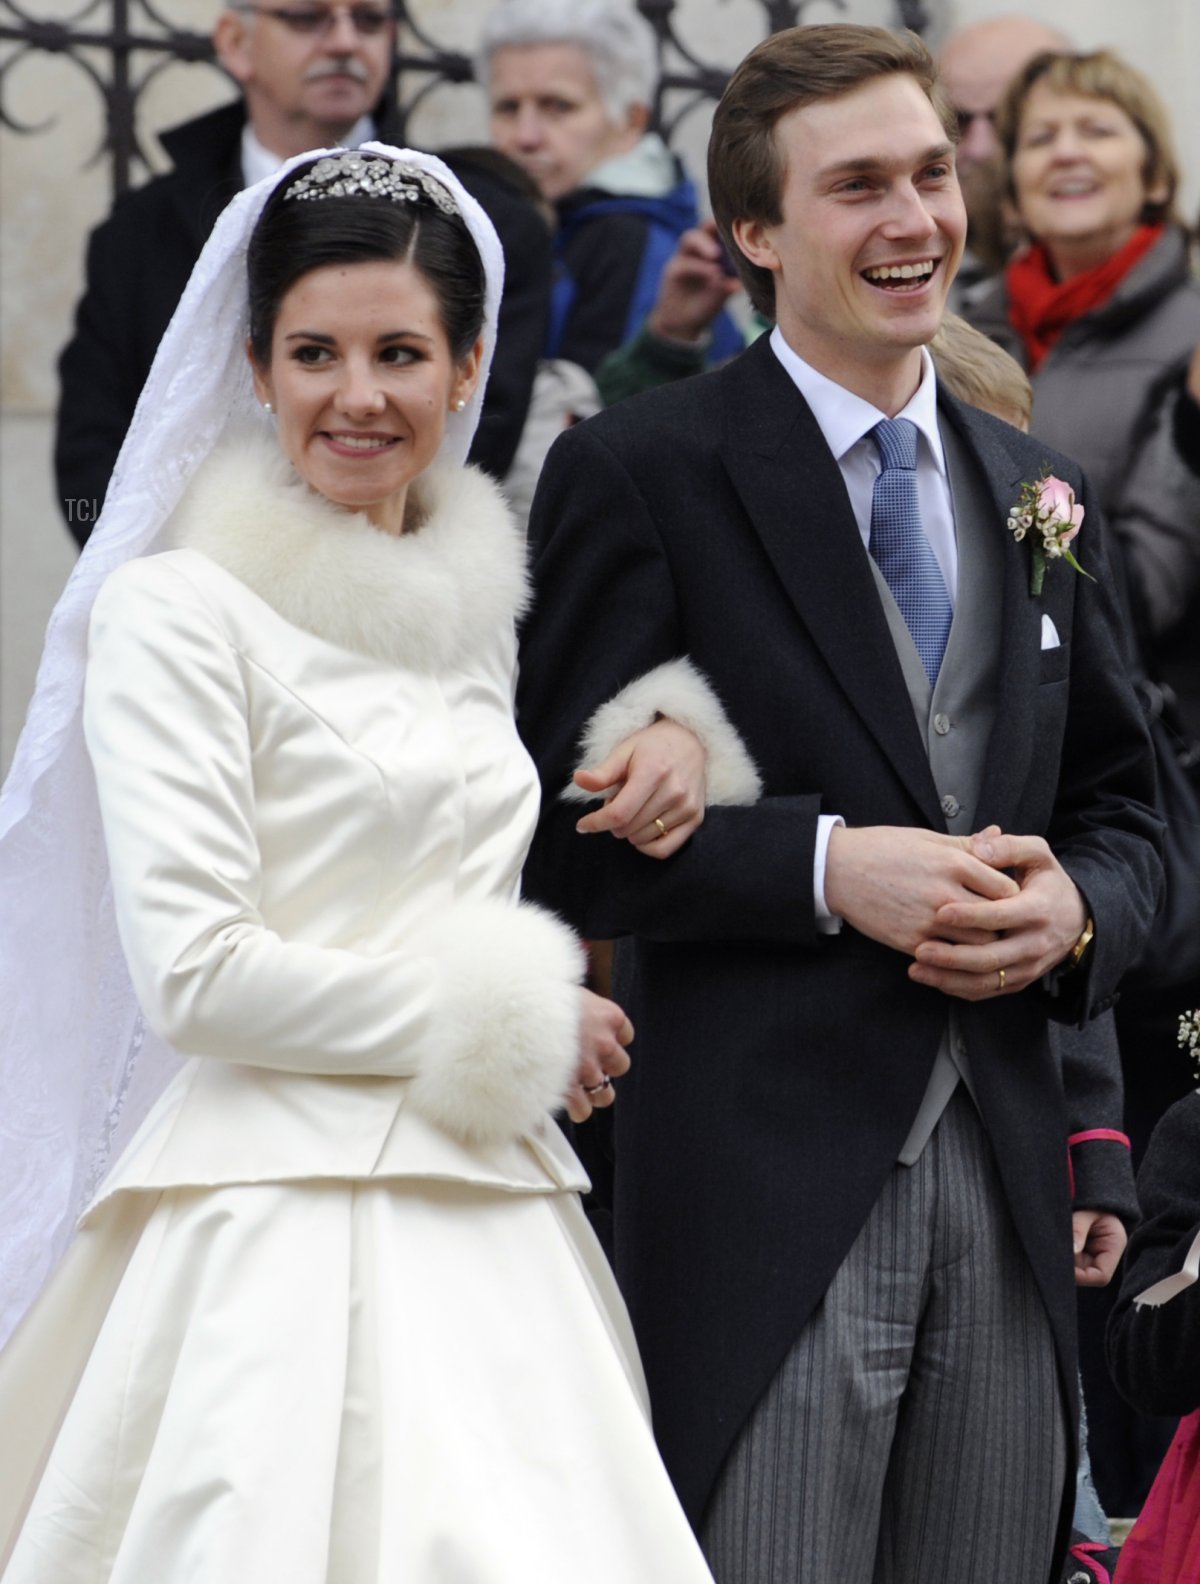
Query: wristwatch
[[1082, 944]]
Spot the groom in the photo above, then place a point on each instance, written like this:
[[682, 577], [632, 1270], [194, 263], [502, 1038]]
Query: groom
[[842, 1170]]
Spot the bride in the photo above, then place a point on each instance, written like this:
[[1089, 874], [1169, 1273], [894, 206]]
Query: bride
[[334, 1316]]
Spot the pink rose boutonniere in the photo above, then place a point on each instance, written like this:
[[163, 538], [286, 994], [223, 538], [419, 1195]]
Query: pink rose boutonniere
[[1047, 511]]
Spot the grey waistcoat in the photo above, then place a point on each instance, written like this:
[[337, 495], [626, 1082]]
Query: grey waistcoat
[[955, 717]]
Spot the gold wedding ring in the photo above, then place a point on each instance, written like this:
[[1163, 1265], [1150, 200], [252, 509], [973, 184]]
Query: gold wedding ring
[[1000, 972], [662, 829]]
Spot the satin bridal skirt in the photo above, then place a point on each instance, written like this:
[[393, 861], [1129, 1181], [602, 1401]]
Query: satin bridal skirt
[[333, 1383]]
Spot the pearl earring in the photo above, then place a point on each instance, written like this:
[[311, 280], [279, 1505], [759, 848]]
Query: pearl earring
[[460, 405], [267, 407]]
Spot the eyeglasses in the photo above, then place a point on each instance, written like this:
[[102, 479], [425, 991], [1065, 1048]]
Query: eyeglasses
[[312, 21]]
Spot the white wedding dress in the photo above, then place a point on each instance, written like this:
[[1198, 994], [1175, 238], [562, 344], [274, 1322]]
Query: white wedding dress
[[335, 1316]]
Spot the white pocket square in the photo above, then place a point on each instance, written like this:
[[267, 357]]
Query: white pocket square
[[1050, 638]]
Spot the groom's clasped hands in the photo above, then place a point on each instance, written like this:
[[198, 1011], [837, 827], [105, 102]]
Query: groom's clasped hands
[[981, 915]]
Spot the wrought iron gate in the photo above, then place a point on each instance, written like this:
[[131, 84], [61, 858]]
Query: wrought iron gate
[[136, 42]]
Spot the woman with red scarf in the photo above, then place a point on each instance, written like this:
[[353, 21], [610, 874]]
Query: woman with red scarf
[[1101, 308]]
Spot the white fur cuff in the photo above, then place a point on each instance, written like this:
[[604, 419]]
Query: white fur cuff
[[504, 1041], [680, 692]]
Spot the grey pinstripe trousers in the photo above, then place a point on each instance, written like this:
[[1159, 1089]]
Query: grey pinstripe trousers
[[915, 1433]]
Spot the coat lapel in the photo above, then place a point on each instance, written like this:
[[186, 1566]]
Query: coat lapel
[[1010, 749], [796, 500]]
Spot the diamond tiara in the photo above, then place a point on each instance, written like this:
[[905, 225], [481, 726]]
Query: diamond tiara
[[359, 176]]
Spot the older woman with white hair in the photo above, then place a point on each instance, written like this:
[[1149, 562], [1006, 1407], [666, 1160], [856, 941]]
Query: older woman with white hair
[[570, 85]]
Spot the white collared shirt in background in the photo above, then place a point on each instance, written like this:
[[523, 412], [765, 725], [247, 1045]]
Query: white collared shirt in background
[[258, 162]]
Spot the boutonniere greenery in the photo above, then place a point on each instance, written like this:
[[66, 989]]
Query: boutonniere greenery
[[1047, 512]]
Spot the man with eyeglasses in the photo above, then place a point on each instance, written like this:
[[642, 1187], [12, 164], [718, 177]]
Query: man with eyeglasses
[[976, 63], [312, 74]]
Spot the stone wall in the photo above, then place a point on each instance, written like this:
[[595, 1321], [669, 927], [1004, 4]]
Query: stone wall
[[52, 191]]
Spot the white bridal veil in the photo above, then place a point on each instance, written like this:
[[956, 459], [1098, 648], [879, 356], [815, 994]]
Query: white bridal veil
[[78, 1067]]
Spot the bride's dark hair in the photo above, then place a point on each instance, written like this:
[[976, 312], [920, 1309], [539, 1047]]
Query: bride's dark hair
[[296, 235]]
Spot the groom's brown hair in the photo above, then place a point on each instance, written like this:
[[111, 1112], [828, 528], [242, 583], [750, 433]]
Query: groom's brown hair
[[792, 68]]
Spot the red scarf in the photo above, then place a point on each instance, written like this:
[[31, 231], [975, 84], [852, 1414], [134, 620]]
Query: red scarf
[[1040, 308], [1164, 1545]]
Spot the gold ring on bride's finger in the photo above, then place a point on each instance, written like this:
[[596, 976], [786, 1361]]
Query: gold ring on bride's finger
[[662, 829], [1000, 974]]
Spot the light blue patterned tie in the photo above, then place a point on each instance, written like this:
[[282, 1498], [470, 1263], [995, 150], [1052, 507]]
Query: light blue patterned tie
[[900, 548]]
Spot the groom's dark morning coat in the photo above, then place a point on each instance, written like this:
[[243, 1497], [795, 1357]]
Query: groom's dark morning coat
[[777, 1071]]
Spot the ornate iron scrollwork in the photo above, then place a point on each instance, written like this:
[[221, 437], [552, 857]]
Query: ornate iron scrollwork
[[137, 41]]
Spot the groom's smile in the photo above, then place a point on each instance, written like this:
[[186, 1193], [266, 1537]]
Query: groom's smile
[[871, 233]]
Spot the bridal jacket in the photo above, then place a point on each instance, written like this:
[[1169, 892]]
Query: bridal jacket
[[335, 1317], [316, 808]]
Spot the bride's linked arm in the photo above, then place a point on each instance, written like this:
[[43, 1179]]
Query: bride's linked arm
[[482, 1011], [658, 754], [651, 789], [605, 631]]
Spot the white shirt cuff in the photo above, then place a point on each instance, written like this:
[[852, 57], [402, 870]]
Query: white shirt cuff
[[827, 923]]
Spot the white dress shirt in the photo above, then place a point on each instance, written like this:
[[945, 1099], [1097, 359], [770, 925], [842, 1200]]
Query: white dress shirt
[[846, 421], [259, 162]]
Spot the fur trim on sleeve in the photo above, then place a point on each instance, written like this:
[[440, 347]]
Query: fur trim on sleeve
[[682, 693], [504, 1041]]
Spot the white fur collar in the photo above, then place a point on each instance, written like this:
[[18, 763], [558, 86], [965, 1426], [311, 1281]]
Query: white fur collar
[[425, 600]]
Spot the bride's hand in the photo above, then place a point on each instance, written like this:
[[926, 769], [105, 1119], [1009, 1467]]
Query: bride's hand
[[660, 776], [604, 1032]]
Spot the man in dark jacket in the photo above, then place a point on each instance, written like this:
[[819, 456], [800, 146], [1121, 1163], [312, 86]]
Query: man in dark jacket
[[310, 74], [842, 1161]]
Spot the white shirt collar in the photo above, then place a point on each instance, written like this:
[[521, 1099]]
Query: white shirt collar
[[258, 162], [845, 419]]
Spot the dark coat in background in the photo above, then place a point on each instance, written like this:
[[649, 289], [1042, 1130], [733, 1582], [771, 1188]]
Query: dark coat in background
[[1154, 1353], [139, 261]]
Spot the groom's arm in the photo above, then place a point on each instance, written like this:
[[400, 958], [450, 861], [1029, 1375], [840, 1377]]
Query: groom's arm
[[604, 642], [606, 614]]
